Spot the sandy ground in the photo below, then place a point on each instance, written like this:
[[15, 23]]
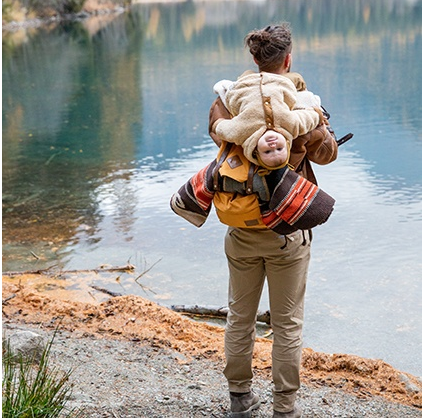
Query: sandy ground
[[132, 357]]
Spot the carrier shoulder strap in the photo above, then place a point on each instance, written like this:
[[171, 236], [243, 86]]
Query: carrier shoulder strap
[[249, 182], [215, 172]]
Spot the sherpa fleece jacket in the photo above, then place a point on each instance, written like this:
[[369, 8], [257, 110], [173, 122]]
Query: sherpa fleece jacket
[[261, 101], [318, 146]]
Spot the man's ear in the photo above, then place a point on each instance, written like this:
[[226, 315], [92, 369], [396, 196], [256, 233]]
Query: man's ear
[[287, 62], [256, 61]]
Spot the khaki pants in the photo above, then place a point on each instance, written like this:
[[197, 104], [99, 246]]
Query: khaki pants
[[253, 255]]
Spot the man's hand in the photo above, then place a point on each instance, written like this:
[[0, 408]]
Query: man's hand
[[217, 111], [322, 118]]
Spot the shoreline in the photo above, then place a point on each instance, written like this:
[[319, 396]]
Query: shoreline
[[39, 22], [133, 319], [18, 17]]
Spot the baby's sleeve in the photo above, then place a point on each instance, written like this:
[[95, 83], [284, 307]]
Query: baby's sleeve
[[307, 99], [221, 88]]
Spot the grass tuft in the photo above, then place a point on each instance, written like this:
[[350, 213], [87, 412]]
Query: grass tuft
[[32, 389]]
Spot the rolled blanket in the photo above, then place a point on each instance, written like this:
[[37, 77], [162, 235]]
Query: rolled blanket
[[193, 201], [296, 203]]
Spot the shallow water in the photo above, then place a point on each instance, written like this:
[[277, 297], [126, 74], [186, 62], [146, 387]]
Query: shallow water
[[104, 119]]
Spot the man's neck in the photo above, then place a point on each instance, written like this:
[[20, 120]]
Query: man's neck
[[280, 71]]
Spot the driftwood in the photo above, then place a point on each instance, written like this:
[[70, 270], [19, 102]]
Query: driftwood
[[108, 292], [215, 311], [50, 271]]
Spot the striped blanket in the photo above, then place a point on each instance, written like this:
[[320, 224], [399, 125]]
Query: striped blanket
[[193, 200], [295, 203]]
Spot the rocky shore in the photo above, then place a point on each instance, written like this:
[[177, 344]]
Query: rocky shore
[[133, 358]]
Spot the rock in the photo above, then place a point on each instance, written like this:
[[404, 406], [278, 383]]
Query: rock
[[26, 344], [409, 385]]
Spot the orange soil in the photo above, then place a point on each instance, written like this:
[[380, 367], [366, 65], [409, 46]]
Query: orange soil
[[138, 319]]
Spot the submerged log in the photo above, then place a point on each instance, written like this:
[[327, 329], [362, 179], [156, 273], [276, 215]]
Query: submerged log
[[215, 311]]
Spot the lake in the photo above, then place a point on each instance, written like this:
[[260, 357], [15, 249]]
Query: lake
[[105, 118]]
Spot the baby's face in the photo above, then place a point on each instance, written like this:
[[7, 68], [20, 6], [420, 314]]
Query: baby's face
[[272, 148]]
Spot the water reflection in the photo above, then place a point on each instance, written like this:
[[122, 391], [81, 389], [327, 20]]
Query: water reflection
[[104, 119]]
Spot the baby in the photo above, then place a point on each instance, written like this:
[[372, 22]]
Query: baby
[[254, 124]]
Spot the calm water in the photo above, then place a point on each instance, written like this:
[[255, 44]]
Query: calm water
[[104, 119]]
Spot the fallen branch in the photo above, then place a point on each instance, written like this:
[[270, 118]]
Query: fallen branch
[[50, 271], [146, 271], [215, 311]]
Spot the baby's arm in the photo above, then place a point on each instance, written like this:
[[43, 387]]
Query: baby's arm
[[233, 130], [299, 121]]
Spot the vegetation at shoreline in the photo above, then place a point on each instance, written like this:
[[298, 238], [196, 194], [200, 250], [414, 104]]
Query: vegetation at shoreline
[[32, 388], [22, 10]]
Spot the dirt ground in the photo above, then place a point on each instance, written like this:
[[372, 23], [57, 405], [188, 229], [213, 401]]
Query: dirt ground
[[130, 319]]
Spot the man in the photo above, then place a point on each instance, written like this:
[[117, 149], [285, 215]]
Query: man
[[258, 253]]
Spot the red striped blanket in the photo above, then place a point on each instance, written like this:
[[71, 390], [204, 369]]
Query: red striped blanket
[[295, 202]]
